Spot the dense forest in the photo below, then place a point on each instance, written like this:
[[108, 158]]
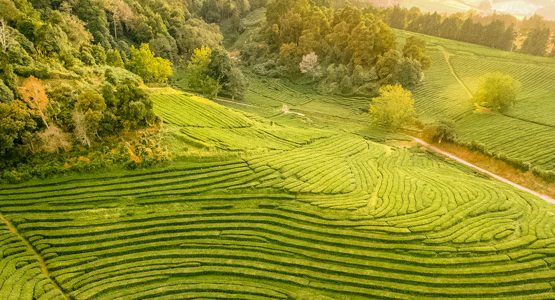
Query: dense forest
[[345, 49], [70, 71]]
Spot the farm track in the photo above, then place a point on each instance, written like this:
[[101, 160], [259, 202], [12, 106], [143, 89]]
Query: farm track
[[447, 57], [482, 170]]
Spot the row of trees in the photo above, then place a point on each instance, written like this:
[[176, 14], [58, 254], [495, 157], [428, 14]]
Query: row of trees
[[457, 27], [496, 31]]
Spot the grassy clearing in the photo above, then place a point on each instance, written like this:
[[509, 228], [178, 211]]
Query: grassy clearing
[[277, 205]]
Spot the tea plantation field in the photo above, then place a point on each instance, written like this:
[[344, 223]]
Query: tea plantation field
[[264, 206], [525, 135]]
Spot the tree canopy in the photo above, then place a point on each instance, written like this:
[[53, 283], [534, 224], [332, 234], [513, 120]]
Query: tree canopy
[[211, 72], [351, 50], [151, 68], [497, 91], [393, 108]]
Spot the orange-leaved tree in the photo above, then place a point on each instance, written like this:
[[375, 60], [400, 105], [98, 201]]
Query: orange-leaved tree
[[33, 93]]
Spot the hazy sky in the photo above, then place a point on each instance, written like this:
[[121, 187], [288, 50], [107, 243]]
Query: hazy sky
[[526, 7], [519, 8]]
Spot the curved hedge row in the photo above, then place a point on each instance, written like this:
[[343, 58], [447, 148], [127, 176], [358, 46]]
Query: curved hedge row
[[295, 213], [403, 225]]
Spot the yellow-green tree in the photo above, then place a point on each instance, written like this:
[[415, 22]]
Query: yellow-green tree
[[497, 91], [393, 108], [198, 68], [288, 56], [149, 67], [87, 115]]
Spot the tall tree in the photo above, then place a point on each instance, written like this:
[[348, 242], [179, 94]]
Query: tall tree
[[397, 17], [121, 13], [415, 48], [450, 27], [507, 41], [5, 36], [198, 69], [15, 125], [494, 33], [361, 45], [309, 65], [536, 41]]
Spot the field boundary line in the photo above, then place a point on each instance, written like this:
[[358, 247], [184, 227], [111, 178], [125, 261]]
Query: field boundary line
[[482, 170], [527, 121], [220, 99], [40, 260], [447, 57]]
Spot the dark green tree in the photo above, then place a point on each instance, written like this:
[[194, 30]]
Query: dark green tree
[[16, 124], [536, 41]]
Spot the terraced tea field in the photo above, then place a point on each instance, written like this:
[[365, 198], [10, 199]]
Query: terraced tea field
[[270, 209], [525, 134]]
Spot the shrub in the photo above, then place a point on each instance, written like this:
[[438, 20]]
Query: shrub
[[443, 130], [54, 139]]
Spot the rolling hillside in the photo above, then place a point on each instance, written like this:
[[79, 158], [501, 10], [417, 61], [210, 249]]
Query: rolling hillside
[[525, 134], [269, 207]]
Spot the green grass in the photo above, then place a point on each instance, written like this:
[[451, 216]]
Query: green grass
[[524, 135], [268, 205]]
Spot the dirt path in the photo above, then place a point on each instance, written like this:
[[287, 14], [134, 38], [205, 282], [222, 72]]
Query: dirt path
[[447, 56], [481, 170], [42, 264]]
